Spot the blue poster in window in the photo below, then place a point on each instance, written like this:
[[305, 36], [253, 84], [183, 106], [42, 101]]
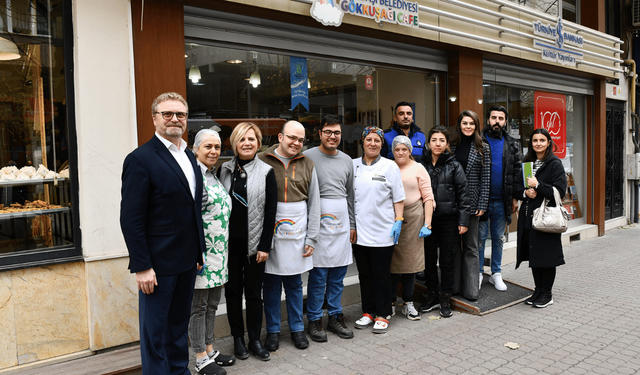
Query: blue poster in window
[[299, 89]]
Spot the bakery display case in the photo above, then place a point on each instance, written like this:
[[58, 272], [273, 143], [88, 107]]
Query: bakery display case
[[35, 210]]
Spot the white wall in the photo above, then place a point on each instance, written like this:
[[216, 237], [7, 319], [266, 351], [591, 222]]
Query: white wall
[[105, 118]]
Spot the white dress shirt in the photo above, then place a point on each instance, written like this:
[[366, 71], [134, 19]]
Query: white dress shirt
[[183, 161]]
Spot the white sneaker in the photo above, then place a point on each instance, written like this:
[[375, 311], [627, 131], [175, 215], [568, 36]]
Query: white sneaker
[[410, 311], [496, 280], [480, 281], [364, 322]]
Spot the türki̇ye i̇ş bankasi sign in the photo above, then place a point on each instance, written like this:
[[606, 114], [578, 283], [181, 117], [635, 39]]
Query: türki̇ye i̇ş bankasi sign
[[330, 12], [553, 49]]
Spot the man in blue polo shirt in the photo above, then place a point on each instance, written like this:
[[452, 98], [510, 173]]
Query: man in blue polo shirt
[[404, 125]]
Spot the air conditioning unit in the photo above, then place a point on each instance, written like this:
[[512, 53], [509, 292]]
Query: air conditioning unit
[[636, 13]]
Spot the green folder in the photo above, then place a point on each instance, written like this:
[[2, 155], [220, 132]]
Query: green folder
[[527, 171]]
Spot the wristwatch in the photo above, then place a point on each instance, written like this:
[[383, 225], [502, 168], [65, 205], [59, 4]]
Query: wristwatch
[[428, 226]]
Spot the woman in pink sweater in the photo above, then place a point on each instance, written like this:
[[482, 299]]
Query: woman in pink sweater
[[408, 254]]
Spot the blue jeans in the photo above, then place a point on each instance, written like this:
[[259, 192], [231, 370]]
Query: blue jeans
[[271, 292], [333, 279], [498, 222]]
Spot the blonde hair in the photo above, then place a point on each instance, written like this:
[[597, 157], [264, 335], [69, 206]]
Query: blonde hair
[[240, 131]]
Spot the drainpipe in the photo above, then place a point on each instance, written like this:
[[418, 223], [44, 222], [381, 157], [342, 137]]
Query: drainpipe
[[634, 136]]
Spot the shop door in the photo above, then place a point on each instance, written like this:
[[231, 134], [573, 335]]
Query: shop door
[[614, 199]]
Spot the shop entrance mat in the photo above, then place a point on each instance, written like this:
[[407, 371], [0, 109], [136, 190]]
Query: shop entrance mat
[[489, 299]]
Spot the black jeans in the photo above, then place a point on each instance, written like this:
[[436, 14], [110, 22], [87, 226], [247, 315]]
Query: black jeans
[[374, 265], [244, 274], [445, 235], [408, 285]]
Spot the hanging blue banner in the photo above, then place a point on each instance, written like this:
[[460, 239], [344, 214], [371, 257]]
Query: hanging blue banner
[[299, 89]]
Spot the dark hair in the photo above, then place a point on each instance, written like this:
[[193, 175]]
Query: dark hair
[[498, 108], [531, 155], [401, 104], [330, 120], [456, 138], [437, 129]]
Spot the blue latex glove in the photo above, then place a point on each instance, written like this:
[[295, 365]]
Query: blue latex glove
[[395, 231], [424, 232]]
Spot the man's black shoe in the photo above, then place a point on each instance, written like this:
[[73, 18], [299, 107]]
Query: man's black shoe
[[316, 332], [272, 342], [300, 340]]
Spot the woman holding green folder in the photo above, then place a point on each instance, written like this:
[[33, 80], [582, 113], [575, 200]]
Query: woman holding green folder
[[542, 250]]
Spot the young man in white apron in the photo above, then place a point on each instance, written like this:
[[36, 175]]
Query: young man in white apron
[[295, 233], [333, 254]]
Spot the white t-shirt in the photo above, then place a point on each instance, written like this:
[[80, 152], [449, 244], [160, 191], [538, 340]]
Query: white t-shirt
[[376, 188]]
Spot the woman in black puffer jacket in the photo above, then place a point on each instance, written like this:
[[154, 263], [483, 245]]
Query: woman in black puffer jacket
[[450, 219]]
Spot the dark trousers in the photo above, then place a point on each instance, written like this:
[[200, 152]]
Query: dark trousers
[[244, 275], [444, 234], [408, 285], [544, 278], [164, 322], [374, 265]]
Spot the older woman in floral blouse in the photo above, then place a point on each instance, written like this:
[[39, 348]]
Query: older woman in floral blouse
[[216, 210]]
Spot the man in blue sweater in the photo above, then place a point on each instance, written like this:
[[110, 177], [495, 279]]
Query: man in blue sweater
[[404, 125], [505, 167]]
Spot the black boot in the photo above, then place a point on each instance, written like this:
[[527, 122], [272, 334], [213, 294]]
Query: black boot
[[544, 300], [239, 348], [259, 351], [445, 305], [432, 302], [534, 296]]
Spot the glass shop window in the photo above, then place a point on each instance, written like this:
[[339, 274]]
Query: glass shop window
[[227, 86], [35, 203], [523, 106]]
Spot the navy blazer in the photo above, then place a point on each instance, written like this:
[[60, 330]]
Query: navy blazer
[[160, 220]]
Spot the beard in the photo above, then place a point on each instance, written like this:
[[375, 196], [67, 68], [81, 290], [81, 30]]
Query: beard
[[404, 126], [496, 129], [173, 131]]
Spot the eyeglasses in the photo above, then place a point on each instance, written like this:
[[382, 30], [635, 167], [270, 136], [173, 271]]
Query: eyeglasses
[[294, 139], [168, 115], [328, 133]]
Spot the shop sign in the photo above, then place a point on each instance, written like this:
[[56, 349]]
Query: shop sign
[[552, 48], [551, 114], [368, 83], [401, 12], [299, 82]]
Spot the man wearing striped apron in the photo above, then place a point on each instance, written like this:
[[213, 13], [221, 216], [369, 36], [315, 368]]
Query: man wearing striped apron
[[333, 253], [295, 233]]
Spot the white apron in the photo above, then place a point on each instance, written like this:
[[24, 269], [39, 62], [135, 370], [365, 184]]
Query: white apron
[[289, 236], [334, 239]]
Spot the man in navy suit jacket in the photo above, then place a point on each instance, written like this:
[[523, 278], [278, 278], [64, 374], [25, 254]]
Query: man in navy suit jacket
[[161, 221]]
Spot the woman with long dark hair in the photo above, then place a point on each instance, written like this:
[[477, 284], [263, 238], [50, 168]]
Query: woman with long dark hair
[[542, 250], [473, 154], [450, 219]]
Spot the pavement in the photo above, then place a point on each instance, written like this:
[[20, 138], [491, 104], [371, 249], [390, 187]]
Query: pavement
[[593, 327]]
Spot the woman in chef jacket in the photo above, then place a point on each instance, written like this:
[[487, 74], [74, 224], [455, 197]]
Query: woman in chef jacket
[[379, 206]]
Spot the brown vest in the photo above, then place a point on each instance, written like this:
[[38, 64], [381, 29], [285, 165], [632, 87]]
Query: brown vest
[[293, 182]]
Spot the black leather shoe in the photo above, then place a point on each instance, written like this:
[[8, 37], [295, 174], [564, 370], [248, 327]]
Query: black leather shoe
[[300, 340], [239, 348], [259, 351], [272, 342]]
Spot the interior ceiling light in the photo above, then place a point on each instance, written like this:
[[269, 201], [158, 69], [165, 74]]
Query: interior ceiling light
[[254, 79], [8, 50], [194, 72], [234, 61]]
